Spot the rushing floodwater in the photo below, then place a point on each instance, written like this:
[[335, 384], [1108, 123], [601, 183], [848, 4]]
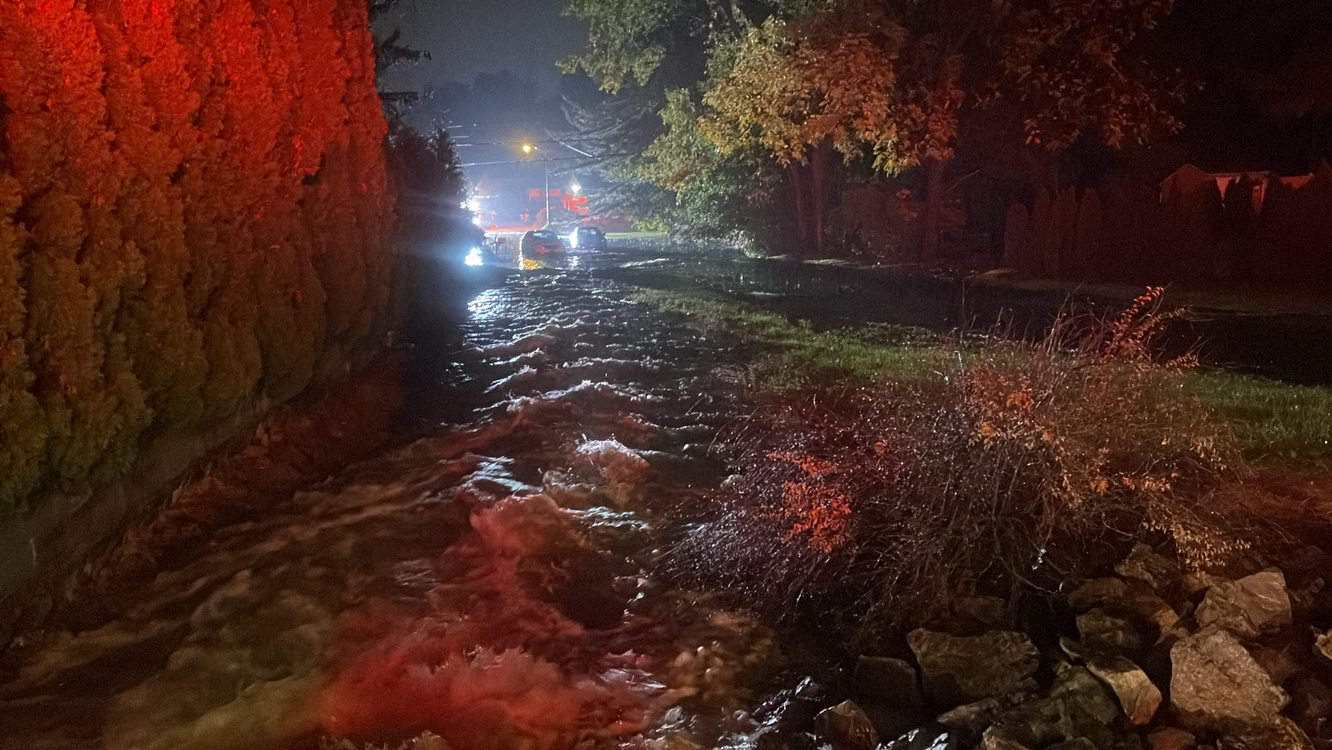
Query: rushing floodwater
[[491, 582], [494, 582]]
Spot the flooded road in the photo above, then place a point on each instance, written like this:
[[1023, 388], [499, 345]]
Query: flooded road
[[491, 582], [494, 580]]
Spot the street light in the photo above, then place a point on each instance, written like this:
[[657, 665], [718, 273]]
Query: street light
[[527, 149]]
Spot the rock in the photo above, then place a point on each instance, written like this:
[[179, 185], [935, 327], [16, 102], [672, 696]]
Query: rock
[[1143, 564], [996, 738], [1099, 629], [792, 711], [1273, 733], [1137, 695], [1195, 582], [1248, 607], [982, 713], [1280, 664], [1305, 596], [1323, 645], [847, 726], [1097, 592], [1151, 608], [959, 669], [1077, 743], [987, 610], [1081, 694], [887, 682], [1171, 738], [1215, 679], [1078, 706], [974, 716]]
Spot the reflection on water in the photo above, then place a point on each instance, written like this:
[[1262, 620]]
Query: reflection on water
[[490, 582]]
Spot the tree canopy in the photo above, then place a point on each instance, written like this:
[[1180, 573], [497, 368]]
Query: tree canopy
[[897, 80]]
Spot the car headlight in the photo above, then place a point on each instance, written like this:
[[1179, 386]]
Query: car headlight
[[473, 257]]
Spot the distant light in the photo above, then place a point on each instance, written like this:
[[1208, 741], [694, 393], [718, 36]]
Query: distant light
[[473, 204], [473, 257], [575, 186], [476, 220], [528, 148]]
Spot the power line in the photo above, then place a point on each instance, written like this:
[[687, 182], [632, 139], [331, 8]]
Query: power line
[[555, 158]]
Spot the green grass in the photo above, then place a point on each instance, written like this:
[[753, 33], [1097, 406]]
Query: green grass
[[1276, 423], [802, 352]]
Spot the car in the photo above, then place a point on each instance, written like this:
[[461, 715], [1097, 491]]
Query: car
[[587, 238], [541, 241]]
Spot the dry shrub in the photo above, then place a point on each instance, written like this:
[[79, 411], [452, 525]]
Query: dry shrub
[[1016, 465]]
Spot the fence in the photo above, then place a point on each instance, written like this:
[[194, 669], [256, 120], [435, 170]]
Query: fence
[[1259, 232]]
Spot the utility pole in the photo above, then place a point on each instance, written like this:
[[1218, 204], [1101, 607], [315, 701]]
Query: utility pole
[[528, 149]]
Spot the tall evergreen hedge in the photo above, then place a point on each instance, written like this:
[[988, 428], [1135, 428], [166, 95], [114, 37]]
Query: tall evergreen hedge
[[194, 213]]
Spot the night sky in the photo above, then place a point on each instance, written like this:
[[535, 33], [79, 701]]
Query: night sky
[[464, 39], [491, 80]]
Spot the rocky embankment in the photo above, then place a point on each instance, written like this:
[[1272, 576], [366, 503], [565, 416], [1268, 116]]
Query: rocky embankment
[[1162, 660]]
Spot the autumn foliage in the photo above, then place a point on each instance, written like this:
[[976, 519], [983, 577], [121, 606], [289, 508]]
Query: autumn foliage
[[1014, 465], [193, 217]]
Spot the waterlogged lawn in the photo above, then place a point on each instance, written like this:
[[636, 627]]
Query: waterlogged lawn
[[1276, 423], [804, 352]]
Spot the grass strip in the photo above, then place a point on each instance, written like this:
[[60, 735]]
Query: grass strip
[[1277, 423]]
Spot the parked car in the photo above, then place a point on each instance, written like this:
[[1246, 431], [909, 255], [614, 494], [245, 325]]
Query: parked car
[[540, 241], [587, 238]]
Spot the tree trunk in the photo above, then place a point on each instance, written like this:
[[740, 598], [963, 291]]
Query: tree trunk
[[932, 220], [799, 196], [818, 193]]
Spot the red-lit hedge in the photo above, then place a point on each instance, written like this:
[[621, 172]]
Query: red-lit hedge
[[194, 213]]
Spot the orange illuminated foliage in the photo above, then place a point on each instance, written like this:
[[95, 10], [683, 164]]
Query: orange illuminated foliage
[[817, 505], [193, 213]]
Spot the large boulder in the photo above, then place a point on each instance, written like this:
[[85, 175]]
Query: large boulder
[[1149, 607], [975, 717], [1214, 679], [1273, 733], [1157, 571], [1137, 695], [1100, 630], [847, 726], [958, 669], [1097, 592], [1078, 707], [1249, 607]]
